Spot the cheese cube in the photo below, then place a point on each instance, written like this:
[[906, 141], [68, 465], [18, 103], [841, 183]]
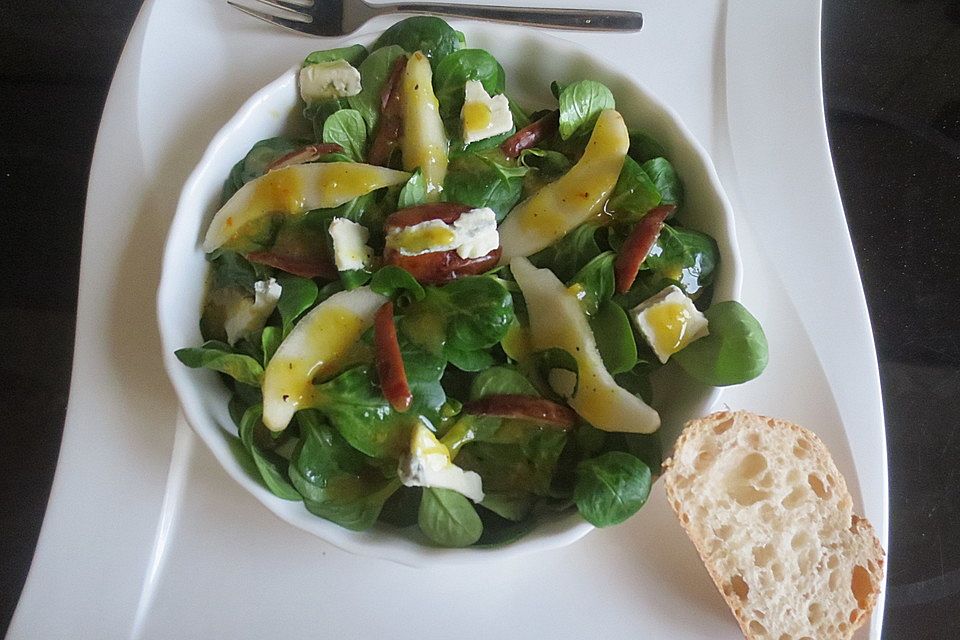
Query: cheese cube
[[669, 322], [350, 250], [473, 235], [245, 316], [427, 464], [328, 80], [484, 116]]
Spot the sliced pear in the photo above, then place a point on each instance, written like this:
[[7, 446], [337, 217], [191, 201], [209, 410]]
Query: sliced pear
[[578, 196], [424, 144], [558, 321], [297, 189], [314, 351]]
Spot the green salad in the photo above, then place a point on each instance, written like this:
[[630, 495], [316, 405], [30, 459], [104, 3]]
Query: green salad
[[442, 310]]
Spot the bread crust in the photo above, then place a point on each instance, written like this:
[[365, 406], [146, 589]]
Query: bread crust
[[723, 435]]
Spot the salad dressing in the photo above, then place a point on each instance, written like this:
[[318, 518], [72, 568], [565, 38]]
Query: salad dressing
[[669, 323], [277, 191], [422, 238], [476, 116]]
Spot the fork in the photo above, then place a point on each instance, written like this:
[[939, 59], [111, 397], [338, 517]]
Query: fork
[[341, 17]]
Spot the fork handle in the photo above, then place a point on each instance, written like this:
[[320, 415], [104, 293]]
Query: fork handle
[[578, 19]]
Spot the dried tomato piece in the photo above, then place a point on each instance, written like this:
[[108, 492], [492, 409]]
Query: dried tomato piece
[[524, 408], [637, 245], [393, 377]]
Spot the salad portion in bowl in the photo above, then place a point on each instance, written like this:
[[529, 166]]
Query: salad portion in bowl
[[442, 311]]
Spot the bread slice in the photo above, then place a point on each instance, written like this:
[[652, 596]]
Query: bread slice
[[773, 522]]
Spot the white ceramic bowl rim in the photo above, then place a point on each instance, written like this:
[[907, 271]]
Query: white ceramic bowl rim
[[193, 387]]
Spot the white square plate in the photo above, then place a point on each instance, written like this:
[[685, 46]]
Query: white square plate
[[146, 537]]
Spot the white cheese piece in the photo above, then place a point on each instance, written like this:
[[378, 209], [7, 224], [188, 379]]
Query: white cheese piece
[[350, 250], [473, 235], [669, 322], [245, 316], [484, 116], [427, 464], [328, 80]]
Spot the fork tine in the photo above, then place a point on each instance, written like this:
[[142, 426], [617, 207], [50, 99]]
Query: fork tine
[[289, 5], [299, 26]]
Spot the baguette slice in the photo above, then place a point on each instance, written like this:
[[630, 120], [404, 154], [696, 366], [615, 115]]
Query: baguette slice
[[773, 521]]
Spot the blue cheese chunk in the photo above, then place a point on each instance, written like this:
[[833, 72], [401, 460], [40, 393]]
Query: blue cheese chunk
[[245, 316], [329, 80], [428, 464], [473, 235], [669, 322], [484, 116], [350, 250]]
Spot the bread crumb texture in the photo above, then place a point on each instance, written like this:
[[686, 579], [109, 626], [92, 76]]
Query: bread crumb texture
[[773, 521]]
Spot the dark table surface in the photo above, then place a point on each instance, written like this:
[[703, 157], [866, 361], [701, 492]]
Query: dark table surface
[[891, 73]]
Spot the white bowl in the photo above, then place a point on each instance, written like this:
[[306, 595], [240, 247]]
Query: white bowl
[[531, 60]]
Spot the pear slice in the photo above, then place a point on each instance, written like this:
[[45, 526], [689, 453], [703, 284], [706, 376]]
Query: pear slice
[[558, 321], [294, 190], [578, 196], [424, 144], [315, 351]]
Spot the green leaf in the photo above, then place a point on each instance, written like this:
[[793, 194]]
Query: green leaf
[[518, 457], [570, 254], [448, 518], [735, 351], [393, 281], [230, 269], [402, 508], [580, 105], [296, 296], [643, 147], [665, 179], [270, 340], [353, 278], [556, 358], [512, 506], [272, 468], [334, 479], [450, 77], [346, 128], [684, 256], [219, 356], [614, 335], [431, 35], [469, 314], [501, 380], [634, 194], [374, 72], [469, 360], [481, 181], [354, 54], [610, 488], [355, 405], [595, 282], [550, 164], [414, 192]]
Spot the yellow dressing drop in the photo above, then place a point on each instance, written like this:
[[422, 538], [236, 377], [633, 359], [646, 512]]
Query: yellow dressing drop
[[413, 240], [669, 323], [476, 116], [278, 191]]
